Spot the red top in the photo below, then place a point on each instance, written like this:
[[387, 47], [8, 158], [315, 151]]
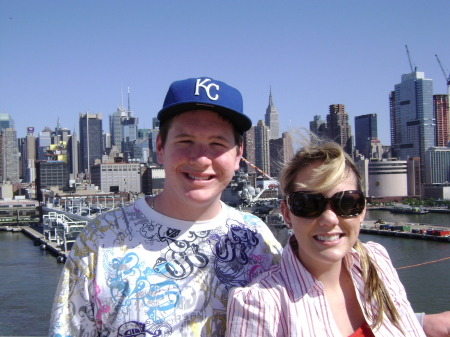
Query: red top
[[363, 331]]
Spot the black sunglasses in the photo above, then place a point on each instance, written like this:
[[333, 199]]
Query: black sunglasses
[[309, 205]]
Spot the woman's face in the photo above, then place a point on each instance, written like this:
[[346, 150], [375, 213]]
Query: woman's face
[[325, 240]]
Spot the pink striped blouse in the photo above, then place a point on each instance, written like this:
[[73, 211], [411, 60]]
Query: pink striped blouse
[[288, 301]]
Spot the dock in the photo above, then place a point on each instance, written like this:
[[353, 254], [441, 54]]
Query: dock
[[39, 240]]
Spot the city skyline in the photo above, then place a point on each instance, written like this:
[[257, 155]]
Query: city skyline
[[63, 59]]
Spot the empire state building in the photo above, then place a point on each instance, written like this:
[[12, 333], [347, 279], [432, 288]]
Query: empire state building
[[272, 119]]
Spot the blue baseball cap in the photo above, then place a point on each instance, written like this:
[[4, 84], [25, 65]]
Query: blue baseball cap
[[205, 93]]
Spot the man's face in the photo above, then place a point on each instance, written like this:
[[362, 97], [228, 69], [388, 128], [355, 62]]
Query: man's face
[[199, 157]]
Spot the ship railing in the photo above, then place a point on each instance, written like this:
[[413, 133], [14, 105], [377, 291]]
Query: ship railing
[[61, 229]]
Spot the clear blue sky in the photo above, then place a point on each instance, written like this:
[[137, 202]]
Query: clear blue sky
[[62, 58]]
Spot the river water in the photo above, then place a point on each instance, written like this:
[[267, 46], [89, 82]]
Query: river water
[[433, 219], [29, 276], [28, 280]]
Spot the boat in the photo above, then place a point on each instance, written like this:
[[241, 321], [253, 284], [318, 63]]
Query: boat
[[409, 210], [240, 192]]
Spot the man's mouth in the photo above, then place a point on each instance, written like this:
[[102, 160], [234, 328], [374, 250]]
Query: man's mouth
[[190, 176]]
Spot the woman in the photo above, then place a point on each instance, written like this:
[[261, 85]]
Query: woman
[[328, 282]]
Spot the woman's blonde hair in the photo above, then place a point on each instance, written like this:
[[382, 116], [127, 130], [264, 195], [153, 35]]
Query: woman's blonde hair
[[335, 168]]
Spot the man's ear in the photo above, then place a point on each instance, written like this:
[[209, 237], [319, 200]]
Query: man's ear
[[240, 151], [159, 150]]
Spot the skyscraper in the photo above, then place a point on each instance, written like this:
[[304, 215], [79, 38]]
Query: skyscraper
[[281, 152], [262, 158], [129, 135], [365, 128], [29, 156], [440, 105], [123, 128], [72, 156], [115, 127], [9, 152], [90, 139], [338, 128], [271, 118], [318, 126], [249, 150], [413, 114]]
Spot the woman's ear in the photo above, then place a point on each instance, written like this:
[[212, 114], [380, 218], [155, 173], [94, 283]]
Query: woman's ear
[[285, 212]]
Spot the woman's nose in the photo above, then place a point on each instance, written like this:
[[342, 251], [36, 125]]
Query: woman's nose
[[328, 217]]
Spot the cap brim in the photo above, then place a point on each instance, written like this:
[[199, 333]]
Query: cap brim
[[241, 122]]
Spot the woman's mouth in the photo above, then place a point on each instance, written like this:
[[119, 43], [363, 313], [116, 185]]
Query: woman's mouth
[[327, 237]]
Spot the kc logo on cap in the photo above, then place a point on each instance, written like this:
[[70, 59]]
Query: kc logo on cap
[[201, 84], [205, 93]]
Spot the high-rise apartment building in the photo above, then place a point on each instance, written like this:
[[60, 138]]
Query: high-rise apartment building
[[365, 129], [413, 117], [441, 107], [271, 118], [281, 152], [338, 127], [262, 157], [90, 139]]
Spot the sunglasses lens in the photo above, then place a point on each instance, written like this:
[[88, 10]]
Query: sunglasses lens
[[306, 205], [348, 203]]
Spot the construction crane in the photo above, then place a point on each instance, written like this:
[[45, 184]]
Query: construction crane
[[446, 74], [413, 67]]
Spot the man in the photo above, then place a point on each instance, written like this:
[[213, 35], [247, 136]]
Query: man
[[164, 265]]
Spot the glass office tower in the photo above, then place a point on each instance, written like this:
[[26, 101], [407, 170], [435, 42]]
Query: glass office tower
[[414, 119], [365, 128]]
